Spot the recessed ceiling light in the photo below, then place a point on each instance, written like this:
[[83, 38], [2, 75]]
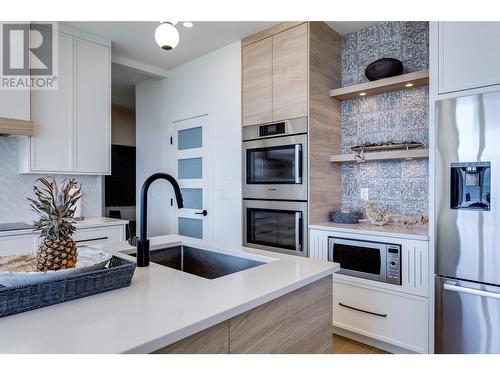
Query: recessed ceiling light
[[362, 93], [187, 24], [409, 84]]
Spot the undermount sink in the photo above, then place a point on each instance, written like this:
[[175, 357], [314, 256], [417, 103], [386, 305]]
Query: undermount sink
[[203, 263]]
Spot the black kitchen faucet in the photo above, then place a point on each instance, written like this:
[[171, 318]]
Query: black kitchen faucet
[[143, 242]]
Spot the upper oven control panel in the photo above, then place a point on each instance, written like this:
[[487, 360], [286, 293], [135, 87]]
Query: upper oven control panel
[[276, 129], [272, 129]]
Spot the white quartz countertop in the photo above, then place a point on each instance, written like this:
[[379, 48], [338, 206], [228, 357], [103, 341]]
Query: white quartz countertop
[[161, 306], [415, 232], [91, 222]]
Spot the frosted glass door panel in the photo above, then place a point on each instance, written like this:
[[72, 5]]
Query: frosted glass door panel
[[190, 168], [193, 198], [190, 138], [191, 227]]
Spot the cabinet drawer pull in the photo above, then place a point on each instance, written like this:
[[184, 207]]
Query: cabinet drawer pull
[[92, 239], [361, 310]]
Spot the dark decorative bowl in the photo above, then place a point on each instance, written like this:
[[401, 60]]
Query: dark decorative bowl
[[384, 68], [342, 217]]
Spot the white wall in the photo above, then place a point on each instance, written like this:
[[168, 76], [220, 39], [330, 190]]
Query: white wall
[[210, 84], [122, 126]]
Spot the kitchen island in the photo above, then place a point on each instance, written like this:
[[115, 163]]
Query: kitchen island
[[282, 305]]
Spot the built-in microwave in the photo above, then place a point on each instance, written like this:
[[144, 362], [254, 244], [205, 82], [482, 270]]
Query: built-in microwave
[[275, 160], [276, 226], [368, 260]]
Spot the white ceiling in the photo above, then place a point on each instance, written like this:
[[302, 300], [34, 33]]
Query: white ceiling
[[134, 42]]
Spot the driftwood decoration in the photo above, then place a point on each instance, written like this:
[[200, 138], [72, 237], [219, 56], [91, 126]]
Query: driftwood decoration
[[378, 217]]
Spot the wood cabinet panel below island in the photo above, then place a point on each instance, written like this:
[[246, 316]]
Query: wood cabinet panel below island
[[299, 322]]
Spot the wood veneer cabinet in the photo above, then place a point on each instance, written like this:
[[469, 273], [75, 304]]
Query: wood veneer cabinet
[[274, 76], [257, 82], [290, 71], [305, 60], [299, 322]]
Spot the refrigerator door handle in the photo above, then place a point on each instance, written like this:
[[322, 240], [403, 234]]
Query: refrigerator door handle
[[453, 287]]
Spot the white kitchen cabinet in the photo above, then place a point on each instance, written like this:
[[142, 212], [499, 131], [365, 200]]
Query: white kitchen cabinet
[[468, 55], [406, 306], [92, 108], [414, 259], [73, 123], [14, 104], [24, 242], [318, 244], [99, 235], [51, 147], [15, 244], [395, 318]]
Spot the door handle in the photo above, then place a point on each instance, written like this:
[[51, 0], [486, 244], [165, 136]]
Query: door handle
[[453, 287], [363, 311], [298, 164], [92, 239], [298, 228], [204, 213]]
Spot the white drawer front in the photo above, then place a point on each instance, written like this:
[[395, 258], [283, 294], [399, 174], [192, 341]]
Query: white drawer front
[[404, 324], [96, 236], [19, 244]]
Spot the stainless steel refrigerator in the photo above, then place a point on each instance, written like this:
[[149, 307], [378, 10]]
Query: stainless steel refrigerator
[[468, 225]]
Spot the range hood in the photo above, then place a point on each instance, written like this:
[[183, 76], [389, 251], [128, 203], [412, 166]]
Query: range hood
[[9, 126]]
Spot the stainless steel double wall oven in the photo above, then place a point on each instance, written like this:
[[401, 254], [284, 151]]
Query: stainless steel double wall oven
[[275, 186]]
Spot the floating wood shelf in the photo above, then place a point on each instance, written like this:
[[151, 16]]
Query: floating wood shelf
[[16, 127], [401, 82], [383, 155]]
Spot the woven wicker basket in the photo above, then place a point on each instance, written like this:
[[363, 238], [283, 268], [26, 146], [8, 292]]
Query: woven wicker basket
[[117, 274]]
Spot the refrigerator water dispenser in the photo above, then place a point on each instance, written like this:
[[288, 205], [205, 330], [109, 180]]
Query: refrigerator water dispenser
[[470, 186]]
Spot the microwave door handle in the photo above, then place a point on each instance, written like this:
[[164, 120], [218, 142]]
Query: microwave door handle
[[298, 229], [453, 287], [298, 164]]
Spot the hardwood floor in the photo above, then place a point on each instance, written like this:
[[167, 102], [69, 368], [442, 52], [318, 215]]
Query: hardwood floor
[[343, 345]]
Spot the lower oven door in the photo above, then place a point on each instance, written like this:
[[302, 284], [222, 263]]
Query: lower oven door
[[357, 258], [276, 226]]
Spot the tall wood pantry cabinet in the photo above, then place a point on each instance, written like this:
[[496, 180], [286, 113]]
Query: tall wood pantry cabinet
[[287, 72]]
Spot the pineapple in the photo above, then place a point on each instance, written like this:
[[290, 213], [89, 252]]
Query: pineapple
[[56, 207]]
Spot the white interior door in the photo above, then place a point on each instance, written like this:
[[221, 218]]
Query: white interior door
[[193, 170]]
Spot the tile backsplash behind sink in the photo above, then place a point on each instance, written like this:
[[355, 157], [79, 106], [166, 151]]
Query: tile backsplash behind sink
[[15, 187], [398, 186]]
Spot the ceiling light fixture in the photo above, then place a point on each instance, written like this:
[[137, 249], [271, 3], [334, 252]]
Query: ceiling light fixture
[[409, 84], [187, 24], [167, 36], [362, 93]]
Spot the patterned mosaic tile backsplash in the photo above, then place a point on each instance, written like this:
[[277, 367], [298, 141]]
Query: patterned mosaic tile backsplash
[[15, 187], [396, 186]]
